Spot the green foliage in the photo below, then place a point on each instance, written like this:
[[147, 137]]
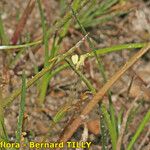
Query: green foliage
[[3, 36], [55, 47], [46, 55], [11, 47], [141, 127], [102, 71], [83, 78], [3, 133], [110, 126], [95, 12], [22, 109]]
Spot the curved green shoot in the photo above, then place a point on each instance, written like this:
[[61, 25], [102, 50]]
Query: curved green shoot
[[10, 47]]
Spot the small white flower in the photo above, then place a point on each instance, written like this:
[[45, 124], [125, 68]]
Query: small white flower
[[75, 59], [81, 61], [78, 61]]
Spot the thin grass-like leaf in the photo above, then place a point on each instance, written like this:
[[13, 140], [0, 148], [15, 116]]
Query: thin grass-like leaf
[[83, 78], [3, 133], [110, 126], [141, 127], [3, 36], [91, 16], [9, 99], [56, 60], [10, 47], [54, 49], [45, 78], [22, 109]]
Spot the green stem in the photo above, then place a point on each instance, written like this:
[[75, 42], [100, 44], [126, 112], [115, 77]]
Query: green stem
[[8, 100], [60, 58], [10, 47], [22, 109], [145, 120], [102, 71], [45, 78], [83, 78], [116, 48], [109, 125], [3, 134], [3, 35]]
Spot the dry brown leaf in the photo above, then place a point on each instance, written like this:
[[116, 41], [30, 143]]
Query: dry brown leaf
[[94, 126]]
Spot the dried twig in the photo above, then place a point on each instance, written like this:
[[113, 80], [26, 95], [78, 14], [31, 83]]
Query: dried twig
[[99, 95]]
